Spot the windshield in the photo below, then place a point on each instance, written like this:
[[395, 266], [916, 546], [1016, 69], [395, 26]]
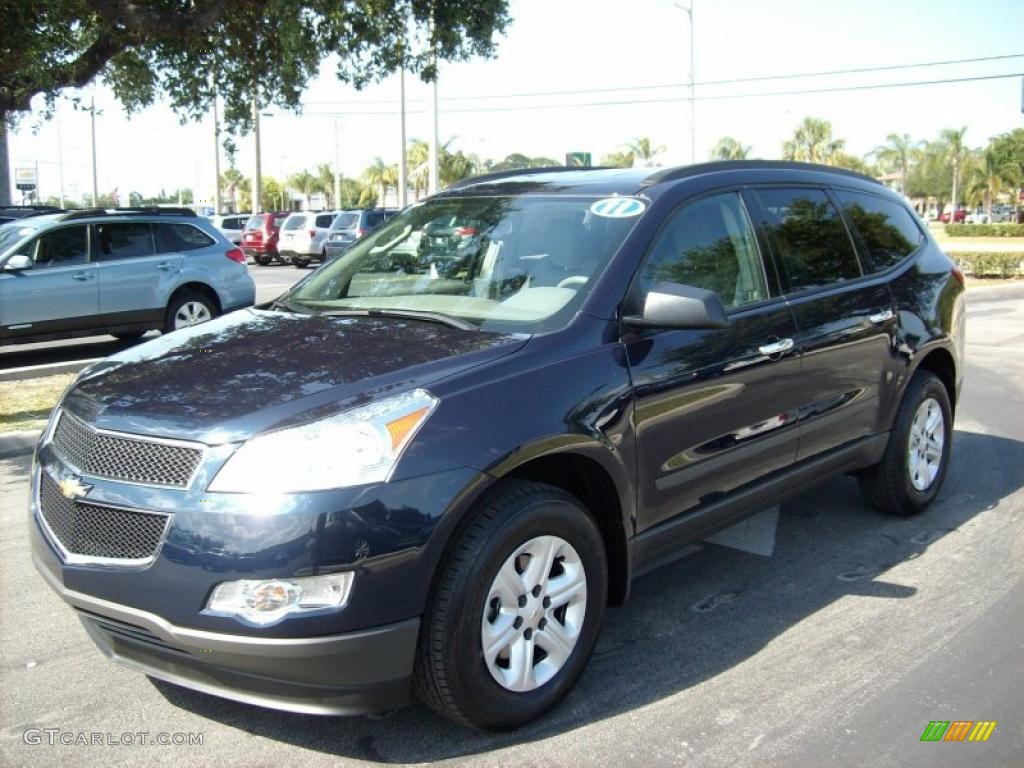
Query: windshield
[[346, 221], [512, 264], [12, 233]]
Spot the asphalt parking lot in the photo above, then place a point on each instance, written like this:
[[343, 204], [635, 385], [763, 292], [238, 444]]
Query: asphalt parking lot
[[837, 650], [271, 281]]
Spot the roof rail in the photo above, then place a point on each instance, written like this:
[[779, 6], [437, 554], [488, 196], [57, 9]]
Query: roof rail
[[684, 171], [36, 208], [498, 175], [85, 213]]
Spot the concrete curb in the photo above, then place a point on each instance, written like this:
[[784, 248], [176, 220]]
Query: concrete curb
[[18, 443], [47, 369]]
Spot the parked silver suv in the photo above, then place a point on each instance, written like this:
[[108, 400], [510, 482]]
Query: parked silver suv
[[303, 237], [121, 271]]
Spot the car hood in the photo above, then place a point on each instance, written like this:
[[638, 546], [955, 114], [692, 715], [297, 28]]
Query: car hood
[[240, 374]]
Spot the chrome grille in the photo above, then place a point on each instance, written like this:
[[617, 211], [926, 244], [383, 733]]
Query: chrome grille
[[120, 457], [93, 531]]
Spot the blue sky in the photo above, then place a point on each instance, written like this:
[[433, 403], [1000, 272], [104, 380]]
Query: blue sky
[[567, 45]]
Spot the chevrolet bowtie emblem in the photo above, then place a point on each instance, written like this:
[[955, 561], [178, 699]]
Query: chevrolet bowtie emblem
[[72, 487]]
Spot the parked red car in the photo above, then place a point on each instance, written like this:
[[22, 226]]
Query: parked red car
[[959, 217], [259, 238]]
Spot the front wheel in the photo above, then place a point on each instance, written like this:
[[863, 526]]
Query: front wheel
[[910, 474], [516, 609]]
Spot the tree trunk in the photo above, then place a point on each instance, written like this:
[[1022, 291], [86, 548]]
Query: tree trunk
[[5, 165]]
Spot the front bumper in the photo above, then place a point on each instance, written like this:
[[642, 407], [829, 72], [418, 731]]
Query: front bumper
[[351, 673]]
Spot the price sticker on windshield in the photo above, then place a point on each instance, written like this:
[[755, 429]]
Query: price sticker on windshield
[[618, 207]]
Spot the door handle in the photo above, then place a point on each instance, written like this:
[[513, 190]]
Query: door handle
[[82, 276], [776, 347], [881, 317], [165, 266]]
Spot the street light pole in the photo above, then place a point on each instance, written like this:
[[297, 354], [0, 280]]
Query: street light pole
[[60, 154], [688, 10], [216, 157], [435, 147], [92, 123], [403, 164], [256, 183], [337, 167]]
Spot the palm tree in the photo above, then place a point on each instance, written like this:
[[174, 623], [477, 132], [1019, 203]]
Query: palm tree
[[989, 177], [812, 142], [955, 152], [895, 155], [378, 175], [305, 183], [325, 183], [729, 148], [618, 160], [644, 151], [418, 157], [454, 166]]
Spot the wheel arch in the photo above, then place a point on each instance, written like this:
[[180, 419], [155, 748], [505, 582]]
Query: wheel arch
[[201, 288], [941, 362]]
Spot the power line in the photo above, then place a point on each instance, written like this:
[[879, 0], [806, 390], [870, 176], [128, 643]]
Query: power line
[[729, 81], [659, 100]]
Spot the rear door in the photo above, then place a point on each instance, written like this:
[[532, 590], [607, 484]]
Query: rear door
[[846, 326], [59, 293], [134, 277], [714, 409]]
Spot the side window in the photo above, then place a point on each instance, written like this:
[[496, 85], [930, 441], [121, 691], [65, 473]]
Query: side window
[[324, 222], [886, 227], [62, 248], [809, 236], [176, 238], [125, 240], [709, 244], [374, 220]]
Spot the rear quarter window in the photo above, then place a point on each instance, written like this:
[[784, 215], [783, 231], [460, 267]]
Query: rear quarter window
[[324, 220], [294, 222], [886, 228], [176, 238]]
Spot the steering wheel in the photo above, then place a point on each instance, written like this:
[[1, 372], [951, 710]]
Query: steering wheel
[[572, 281]]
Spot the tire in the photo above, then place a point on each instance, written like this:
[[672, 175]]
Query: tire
[[187, 304], [452, 675], [891, 486], [262, 259], [299, 263]]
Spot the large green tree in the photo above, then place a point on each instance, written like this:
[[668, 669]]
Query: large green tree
[[245, 50], [896, 155], [991, 175]]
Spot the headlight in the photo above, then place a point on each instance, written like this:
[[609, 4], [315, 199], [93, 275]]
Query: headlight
[[359, 446], [267, 602]]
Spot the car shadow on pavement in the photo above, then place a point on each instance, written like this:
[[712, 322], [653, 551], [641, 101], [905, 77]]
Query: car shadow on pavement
[[688, 621]]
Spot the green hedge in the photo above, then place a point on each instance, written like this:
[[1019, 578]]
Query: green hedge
[[981, 264], [985, 230]]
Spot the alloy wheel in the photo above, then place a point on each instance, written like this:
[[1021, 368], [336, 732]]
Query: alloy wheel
[[927, 437]]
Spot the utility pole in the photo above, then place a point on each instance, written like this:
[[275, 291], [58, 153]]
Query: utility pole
[[60, 155], [403, 164], [688, 10], [435, 147], [216, 157], [256, 136], [92, 122], [337, 166]]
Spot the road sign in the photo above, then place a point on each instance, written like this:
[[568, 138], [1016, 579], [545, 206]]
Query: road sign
[[25, 179], [577, 159]]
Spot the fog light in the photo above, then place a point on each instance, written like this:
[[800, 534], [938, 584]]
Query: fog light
[[265, 602]]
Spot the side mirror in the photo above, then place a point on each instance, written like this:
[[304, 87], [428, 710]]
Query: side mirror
[[671, 305], [18, 263]]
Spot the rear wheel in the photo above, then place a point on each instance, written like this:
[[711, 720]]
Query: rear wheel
[[516, 609], [299, 263], [188, 308], [262, 259], [910, 474]]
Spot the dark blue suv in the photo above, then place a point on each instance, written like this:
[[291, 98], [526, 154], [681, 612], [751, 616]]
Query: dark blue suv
[[431, 464]]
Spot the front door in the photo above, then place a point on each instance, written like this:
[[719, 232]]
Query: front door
[[714, 409], [58, 293]]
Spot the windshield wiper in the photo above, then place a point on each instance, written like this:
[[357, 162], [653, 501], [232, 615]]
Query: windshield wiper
[[405, 314], [288, 307]]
